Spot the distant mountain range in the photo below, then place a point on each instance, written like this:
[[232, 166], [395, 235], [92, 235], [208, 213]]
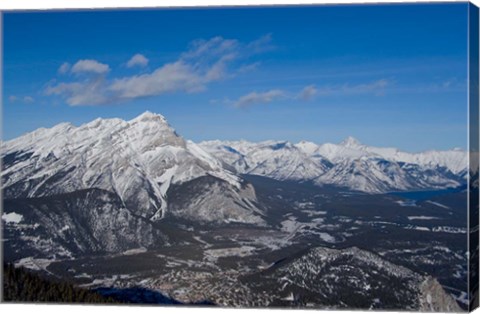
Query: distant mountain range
[[143, 170], [140, 159], [348, 164]]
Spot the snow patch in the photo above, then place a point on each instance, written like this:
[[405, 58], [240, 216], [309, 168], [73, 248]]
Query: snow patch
[[212, 255], [34, 263], [135, 251], [422, 218], [438, 204], [407, 203], [65, 228], [12, 218], [326, 237]]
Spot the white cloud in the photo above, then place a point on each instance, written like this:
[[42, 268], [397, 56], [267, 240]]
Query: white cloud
[[363, 88], [90, 92], [255, 98], [375, 87], [248, 67], [260, 45], [24, 99], [450, 83], [92, 66], [137, 60], [212, 48], [308, 92], [64, 68], [172, 77], [28, 99], [205, 61]]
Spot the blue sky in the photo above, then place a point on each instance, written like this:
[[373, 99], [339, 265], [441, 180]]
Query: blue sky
[[388, 75]]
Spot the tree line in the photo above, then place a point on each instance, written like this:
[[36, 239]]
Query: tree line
[[21, 285]]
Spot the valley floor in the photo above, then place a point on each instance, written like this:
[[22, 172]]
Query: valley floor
[[366, 245]]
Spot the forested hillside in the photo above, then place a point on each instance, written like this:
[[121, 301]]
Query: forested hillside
[[21, 285]]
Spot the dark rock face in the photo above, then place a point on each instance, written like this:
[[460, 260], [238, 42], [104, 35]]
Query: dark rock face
[[214, 201], [86, 221], [350, 278]]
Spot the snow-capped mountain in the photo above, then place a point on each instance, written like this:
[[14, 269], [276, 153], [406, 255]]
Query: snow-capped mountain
[[349, 164], [454, 160], [138, 160], [375, 175], [278, 160]]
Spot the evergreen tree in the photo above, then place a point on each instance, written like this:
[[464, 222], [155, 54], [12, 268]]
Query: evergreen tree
[[21, 285]]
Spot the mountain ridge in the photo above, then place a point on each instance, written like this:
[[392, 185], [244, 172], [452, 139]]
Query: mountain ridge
[[349, 164], [148, 140], [137, 159]]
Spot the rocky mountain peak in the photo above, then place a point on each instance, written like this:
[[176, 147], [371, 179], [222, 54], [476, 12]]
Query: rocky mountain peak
[[150, 116], [350, 142]]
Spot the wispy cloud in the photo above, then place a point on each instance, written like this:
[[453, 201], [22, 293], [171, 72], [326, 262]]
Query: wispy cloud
[[308, 92], [24, 99], [261, 45], [28, 99], [452, 83], [376, 87], [248, 67], [137, 60], [255, 98], [87, 92], [64, 68], [205, 61]]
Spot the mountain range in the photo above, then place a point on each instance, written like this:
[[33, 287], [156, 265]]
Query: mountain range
[[137, 191], [134, 173], [140, 159], [349, 164]]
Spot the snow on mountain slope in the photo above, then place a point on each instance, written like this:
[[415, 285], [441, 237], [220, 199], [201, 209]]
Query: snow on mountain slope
[[348, 149], [278, 160], [138, 160], [363, 175], [374, 175], [455, 160], [349, 164]]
